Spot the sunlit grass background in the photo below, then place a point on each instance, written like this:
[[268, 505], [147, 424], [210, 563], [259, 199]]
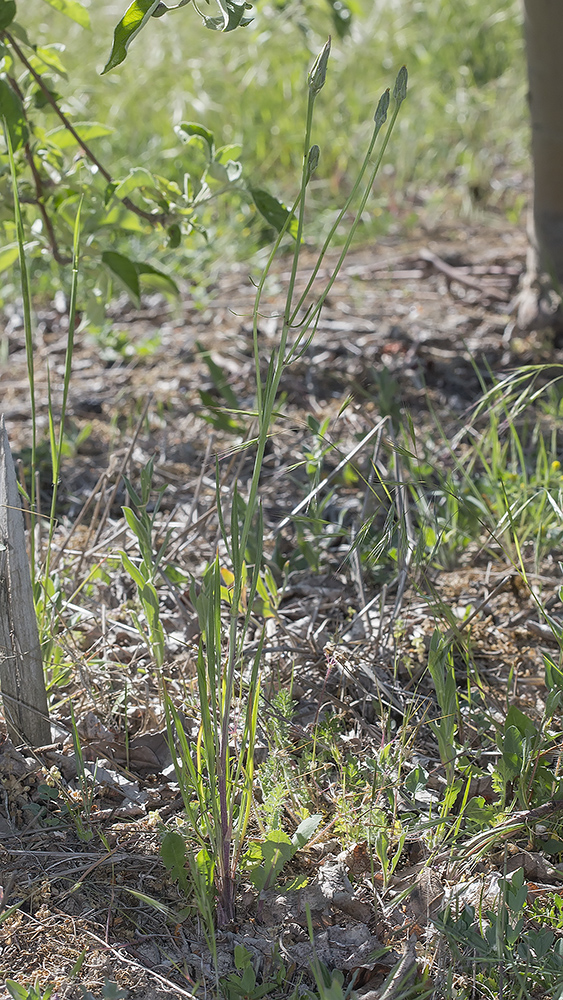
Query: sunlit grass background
[[461, 142]]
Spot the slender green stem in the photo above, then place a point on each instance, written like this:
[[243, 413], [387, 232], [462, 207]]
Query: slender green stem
[[315, 312], [328, 241], [57, 452]]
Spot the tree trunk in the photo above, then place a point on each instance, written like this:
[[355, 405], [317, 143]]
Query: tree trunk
[[544, 48], [543, 23]]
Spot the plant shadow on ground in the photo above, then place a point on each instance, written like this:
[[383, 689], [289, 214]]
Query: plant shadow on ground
[[410, 668]]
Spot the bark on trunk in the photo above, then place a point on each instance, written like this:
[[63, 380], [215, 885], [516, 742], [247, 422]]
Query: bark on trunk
[[543, 25], [544, 49]]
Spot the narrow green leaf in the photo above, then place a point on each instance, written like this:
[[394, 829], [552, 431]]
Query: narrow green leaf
[[72, 9], [132, 570], [273, 211], [134, 19], [12, 111], [7, 12], [16, 991]]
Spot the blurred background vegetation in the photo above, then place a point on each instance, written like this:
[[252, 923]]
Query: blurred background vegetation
[[460, 147]]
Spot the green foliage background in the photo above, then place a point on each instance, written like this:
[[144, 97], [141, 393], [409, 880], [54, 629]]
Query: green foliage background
[[463, 134]]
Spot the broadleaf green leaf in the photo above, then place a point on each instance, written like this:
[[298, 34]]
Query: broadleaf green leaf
[[232, 16], [11, 111], [136, 178], [126, 271], [19, 32], [129, 271], [63, 139], [7, 12], [47, 57], [186, 131], [149, 270], [133, 20], [8, 256], [226, 173], [230, 152], [173, 854], [174, 236], [72, 9], [305, 830], [273, 211]]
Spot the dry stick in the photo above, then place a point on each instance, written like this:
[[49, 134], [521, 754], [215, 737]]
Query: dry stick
[[178, 991], [454, 632], [122, 468], [367, 607], [358, 579], [403, 510], [78, 521], [186, 537], [370, 482], [451, 273], [20, 471], [325, 482], [355, 557], [238, 471], [85, 550], [149, 216], [178, 542]]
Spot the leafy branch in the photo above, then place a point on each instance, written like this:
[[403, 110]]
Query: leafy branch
[[49, 174]]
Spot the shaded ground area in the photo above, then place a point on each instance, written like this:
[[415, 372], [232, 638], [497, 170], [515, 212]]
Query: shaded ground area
[[393, 310], [409, 326]]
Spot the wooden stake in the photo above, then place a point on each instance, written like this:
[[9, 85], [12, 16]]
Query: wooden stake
[[21, 669]]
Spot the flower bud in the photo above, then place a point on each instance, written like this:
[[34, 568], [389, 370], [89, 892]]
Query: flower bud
[[317, 76], [312, 161], [400, 88], [380, 115]]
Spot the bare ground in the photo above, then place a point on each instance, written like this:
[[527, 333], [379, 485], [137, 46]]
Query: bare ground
[[400, 329]]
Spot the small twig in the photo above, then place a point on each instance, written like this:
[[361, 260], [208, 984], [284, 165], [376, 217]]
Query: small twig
[[151, 217], [325, 482], [122, 468], [453, 274]]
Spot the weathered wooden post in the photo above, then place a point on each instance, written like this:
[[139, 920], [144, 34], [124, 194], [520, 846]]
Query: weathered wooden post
[[21, 669]]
